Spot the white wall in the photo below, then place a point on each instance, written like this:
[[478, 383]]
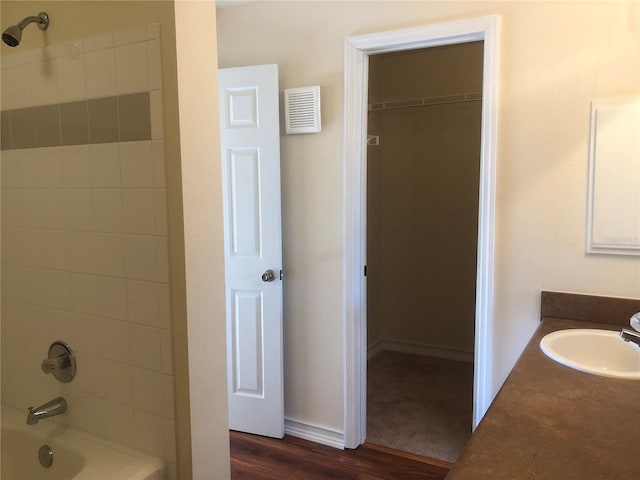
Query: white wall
[[555, 58]]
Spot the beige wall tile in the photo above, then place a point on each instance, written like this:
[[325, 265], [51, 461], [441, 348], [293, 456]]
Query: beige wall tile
[[140, 257], [49, 167], [109, 254], [31, 247], [81, 252], [155, 64], [149, 433], [78, 209], [162, 246], [138, 211], [115, 341], [100, 71], [136, 164], [52, 208], [147, 391], [91, 416], [5, 130], [71, 79], [118, 382], [168, 408], [86, 334], [10, 245], [142, 301], [164, 306], [146, 350], [112, 297], [24, 169], [27, 208], [130, 35], [105, 165], [11, 163], [34, 320], [167, 352], [120, 423], [153, 31], [76, 165], [107, 210], [160, 211], [54, 249], [157, 155], [89, 379], [99, 42], [16, 86], [132, 70], [84, 294], [44, 84], [54, 286]]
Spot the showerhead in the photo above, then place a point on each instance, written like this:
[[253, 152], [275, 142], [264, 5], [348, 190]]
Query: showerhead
[[12, 35]]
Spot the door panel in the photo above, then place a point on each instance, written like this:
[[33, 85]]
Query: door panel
[[247, 330]]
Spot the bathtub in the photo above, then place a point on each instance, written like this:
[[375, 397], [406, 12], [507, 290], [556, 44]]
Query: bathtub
[[76, 455]]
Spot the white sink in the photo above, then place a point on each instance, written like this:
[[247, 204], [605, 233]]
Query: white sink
[[600, 352]]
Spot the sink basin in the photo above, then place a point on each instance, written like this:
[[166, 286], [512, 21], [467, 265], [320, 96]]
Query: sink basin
[[600, 352]]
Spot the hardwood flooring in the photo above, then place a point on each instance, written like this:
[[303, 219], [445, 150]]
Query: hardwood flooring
[[259, 458]]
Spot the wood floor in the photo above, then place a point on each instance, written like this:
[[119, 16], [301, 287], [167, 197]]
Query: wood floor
[[259, 458]]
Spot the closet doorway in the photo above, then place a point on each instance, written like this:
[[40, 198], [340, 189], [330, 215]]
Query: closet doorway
[[423, 180]]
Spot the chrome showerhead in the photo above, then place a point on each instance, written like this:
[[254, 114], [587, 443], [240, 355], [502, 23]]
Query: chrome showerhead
[[12, 35]]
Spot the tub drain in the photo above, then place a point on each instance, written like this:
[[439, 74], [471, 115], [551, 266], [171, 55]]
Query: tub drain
[[45, 456]]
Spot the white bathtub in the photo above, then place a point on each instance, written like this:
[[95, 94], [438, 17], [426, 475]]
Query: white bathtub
[[76, 455]]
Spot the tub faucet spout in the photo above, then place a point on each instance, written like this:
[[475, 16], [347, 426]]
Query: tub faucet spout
[[57, 406]]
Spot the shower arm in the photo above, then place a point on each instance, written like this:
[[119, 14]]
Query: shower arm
[[42, 20]]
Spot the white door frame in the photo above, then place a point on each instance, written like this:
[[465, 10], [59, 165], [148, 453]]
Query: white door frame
[[357, 51]]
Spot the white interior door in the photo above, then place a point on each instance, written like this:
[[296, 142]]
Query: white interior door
[[250, 137]]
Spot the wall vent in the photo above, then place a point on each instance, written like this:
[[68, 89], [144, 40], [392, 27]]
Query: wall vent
[[302, 109]]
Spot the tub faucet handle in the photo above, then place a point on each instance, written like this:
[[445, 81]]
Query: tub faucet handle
[[55, 363], [60, 361]]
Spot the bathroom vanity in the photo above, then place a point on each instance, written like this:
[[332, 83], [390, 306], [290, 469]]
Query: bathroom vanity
[[550, 421]]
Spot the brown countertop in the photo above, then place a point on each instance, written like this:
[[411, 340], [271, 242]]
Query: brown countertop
[[552, 422]]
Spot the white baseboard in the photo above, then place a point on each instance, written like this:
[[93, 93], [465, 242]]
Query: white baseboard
[[324, 436], [417, 349]]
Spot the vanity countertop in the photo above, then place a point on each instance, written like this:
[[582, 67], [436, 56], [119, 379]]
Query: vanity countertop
[[552, 422]]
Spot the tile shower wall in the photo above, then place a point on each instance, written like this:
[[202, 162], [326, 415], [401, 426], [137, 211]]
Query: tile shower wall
[[84, 235]]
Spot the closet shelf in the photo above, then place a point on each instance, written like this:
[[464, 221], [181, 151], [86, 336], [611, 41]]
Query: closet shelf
[[426, 101]]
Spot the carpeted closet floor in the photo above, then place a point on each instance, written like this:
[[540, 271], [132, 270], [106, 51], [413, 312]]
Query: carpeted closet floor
[[419, 404]]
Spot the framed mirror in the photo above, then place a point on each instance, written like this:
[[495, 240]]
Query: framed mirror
[[613, 220]]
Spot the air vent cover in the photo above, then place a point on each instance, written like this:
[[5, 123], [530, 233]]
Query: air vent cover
[[302, 109]]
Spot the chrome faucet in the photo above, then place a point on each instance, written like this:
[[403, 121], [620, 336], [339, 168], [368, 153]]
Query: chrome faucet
[[632, 335], [57, 406]]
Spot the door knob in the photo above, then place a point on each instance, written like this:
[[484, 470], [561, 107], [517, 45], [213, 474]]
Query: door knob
[[268, 276]]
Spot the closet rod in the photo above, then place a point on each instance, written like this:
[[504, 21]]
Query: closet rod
[[426, 101]]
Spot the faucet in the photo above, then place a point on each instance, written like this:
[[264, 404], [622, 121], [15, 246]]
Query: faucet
[[632, 335], [57, 406]]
